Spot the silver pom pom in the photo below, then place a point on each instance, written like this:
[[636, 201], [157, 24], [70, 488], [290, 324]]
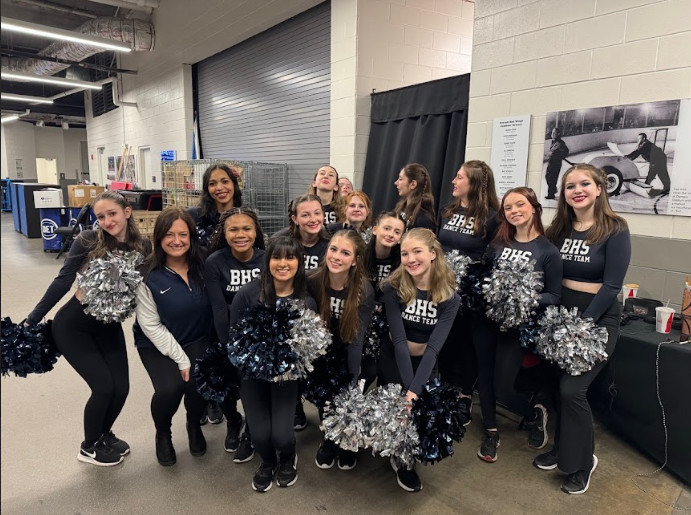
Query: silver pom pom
[[345, 419], [392, 431], [366, 235], [575, 344], [309, 339], [512, 292], [459, 265], [109, 286]]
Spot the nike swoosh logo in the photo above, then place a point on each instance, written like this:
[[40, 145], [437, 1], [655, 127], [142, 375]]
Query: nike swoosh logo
[[163, 291], [89, 454]]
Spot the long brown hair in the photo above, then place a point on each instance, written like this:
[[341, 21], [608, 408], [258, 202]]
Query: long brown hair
[[607, 222], [218, 239], [206, 203], [293, 211], [355, 285], [420, 198], [107, 243], [335, 195], [482, 196], [194, 256], [367, 223], [506, 230], [441, 278]]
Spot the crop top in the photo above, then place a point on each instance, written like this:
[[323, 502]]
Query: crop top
[[457, 233]]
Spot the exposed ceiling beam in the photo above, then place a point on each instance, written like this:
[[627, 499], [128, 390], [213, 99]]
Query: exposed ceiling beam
[[146, 6], [81, 64], [55, 109], [48, 79], [57, 7]]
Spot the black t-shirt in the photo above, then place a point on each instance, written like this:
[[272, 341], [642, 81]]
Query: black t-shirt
[[76, 259], [249, 296], [329, 215], [457, 233], [424, 219], [224, 276], [422, 321], [605, 263], [315, 253], [547, 260]]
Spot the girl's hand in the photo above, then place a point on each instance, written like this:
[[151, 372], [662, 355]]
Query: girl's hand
[[185, 373], [409, 398]]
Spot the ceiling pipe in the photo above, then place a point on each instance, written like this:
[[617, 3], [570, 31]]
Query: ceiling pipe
[[146, 6], [117, 98], [58, 7]]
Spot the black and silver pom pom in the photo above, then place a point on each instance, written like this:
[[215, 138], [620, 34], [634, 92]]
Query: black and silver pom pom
[[329, 377], [376, 333], [459, 265], [512, 292], [216, 377], [27, 349]]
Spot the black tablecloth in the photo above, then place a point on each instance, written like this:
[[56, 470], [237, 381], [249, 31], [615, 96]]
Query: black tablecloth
[[635, 412]]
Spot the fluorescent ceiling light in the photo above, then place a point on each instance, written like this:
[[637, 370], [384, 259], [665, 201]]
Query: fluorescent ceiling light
[[26, 98], [35, 29], [9, 118], [48, 79]]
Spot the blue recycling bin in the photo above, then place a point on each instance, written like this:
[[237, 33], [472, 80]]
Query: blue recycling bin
[[73, 213], [51, 219]]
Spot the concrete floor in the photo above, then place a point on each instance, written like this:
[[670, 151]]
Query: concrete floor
[[42, 429]]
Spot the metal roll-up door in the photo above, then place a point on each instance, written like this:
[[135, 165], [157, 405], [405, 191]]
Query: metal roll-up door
[[267, 98]]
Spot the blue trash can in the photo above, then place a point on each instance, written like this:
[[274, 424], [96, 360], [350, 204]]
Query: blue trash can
[[51, 219], [73, 213]]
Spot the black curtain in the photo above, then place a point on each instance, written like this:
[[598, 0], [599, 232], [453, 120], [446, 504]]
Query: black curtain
[[425, 124]]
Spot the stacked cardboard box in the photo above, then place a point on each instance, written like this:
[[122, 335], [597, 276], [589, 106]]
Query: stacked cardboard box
[[145, 221], [78, 195]]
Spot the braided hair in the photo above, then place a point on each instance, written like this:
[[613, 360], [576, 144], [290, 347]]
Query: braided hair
[[218, 239]]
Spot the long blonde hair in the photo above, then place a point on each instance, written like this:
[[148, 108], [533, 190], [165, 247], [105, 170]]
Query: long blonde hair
[[442, 279], [482, 196], [607, 222]]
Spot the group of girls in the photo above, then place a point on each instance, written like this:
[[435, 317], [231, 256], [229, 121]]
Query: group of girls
[[188, 301]]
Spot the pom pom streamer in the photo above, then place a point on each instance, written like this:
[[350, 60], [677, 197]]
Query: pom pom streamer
[[216, 377], [278, 343], [471, 292], [345, 421], [329, 377], [575, 344], [376, 333], [27, 349], [459, 265], [366, 235], [528, 334], [109, 286], [512, 292]]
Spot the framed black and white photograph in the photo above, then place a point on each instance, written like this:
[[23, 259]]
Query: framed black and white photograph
[[644, 149]]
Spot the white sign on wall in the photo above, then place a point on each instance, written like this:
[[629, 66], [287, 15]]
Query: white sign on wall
[[510, 145]]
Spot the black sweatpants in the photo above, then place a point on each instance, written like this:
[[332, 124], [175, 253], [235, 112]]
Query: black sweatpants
[[507, 371], [169, 388], [96, 350], [388, 368], [270, 412], [575, 436]]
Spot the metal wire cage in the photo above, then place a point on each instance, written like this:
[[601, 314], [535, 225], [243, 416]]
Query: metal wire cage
[[264, 187]]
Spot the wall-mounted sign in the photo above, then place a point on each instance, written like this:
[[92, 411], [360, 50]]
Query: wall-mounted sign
[[168, 155], [510, 144]]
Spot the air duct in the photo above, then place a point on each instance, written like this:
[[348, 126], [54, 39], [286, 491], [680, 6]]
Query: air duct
[[139, 34]]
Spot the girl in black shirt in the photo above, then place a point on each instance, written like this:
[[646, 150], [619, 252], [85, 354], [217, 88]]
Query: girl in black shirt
[[421, 303], [595, 247], [417, 203], [356, 213], [95, 349], [345, 300], [237, 258], [325, 186], [306, 225]]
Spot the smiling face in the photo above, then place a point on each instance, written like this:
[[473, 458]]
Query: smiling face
[[176, 242], [580, 189], [221, 188], [461, 184], [404, 185], [416, 258], [112, 218], [340, 256], [345, 186], [283, 268], [309, 217], [241, 233], [518, 210], [356, 211], [326, 179], [389, 231]]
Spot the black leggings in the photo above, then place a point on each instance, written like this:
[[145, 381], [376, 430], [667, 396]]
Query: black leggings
[[169, 388], [368, 370], [97, 352], [270, 412], [575, 436], [388, 368]]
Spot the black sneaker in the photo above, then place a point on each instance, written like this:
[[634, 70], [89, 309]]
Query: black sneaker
[[407, 479], [165, 452], [245, 450], [488, 447], [233, 428], [204, 420], [578, 482], [537, 437], [300, 421], [346, 459], [196, 440], [119, 446], [213, 411], [264, 476], [326, 454], [464, 408], [547, 460], [99, 454], [287, 473]]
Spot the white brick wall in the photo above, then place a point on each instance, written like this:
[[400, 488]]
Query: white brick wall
[[538, 56]]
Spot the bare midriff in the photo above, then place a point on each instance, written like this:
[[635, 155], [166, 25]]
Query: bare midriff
[[416, 349], [581, 286]]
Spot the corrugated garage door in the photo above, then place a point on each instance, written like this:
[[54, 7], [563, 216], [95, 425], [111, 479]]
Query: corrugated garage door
[[267, 98]]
